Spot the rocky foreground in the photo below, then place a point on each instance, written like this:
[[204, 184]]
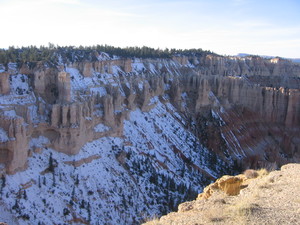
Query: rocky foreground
[[255, 197]]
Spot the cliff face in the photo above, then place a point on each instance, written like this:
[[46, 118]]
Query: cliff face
[[257, 124], [242, 97], [231, 112], [251, 65]]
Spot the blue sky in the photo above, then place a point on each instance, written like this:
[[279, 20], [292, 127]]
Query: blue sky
[[228, 27]]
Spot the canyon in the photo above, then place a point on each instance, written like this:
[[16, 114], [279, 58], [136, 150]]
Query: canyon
[[151, 132]]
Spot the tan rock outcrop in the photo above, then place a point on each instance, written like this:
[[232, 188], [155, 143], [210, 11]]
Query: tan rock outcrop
[[175, 94], [103, 66], [145, 97], [25, 69], [82, 161], [279, 105], [130, 99], [52, 85], [88, 69], [157, 85], [64, 87], [183, 60], [71, 126], [210, 64], [4, 83], [230, 185], [14, 151], [109, 110]]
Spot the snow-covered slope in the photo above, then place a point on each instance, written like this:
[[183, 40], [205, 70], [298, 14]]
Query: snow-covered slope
[[153, 167]]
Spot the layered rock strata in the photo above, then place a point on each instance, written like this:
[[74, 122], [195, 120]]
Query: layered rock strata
[[195, 85]]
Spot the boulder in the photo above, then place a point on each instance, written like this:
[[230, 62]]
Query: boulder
[[230, 185]]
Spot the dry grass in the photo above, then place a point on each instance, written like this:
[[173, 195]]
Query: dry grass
[[262, 172], [215, 215], [154, 220], [242, 212], [264, 185]]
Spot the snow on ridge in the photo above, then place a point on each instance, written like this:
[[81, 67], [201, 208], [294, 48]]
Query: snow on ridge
[[19, 84], [101, 128], [38, 142], [138, 65], [12, 67], [99, 90], [20, 94], [10, 113], [103, 56], [3, 135], [2, 68]]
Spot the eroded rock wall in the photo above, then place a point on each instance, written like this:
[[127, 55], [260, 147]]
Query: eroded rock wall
[[250, 65], [256, 116], [14, 150], [257, 124], [103, 66], [4, 83]]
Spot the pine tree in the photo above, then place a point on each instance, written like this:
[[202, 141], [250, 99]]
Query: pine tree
[[89, 212], [39, 182], [3, 179], [19, 194], [51, 167], [16, 206], [25, 195], [73, 193], [77, 180], [54, 183], [82, 204]]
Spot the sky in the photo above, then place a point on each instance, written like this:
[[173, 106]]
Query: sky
[[227, 27]]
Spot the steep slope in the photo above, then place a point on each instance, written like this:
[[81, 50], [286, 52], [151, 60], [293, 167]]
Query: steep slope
[[153, 164], [269, 199]]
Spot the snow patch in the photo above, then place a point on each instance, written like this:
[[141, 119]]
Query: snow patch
[[10, 114], [101, 128], [19, 84], [39, 142], [3, 135]]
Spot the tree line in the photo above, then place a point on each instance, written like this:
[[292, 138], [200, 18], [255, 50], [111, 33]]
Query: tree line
[[54, 53]]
